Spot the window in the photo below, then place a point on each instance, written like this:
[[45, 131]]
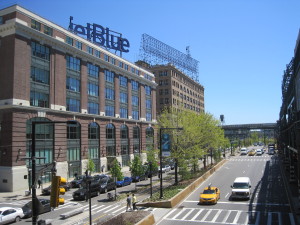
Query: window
[[73, 63], [148, 116], [109, 94], [93, 70], [109, 76], [109, 110], [73, 105], [148, 90], [93, 89], [120, 64], [134, 85], [93, 132], [73, 131], [123, 81], [106, 58], [113, 61], [48, 30], [132, 70], [35, 25], [126, 67], [166, 101], [40, 51], [110, 131], [135, 114], [123, 112], [39, 75], [97, 53], [69, 40], [73, 84], [137, 72], [148, 103], [89, 50], [93, 108], [136, 133], [166, 91], [1, 20], [160, 91], [78, 45], [124, 132], [135, 100], [39, 99], [123, 97]]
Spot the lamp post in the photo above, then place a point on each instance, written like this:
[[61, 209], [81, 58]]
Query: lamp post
[[160, 161], [33, 165]]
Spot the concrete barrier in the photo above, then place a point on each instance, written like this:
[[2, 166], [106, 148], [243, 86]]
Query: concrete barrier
[[185, 192], [148, 220], [71, 213]]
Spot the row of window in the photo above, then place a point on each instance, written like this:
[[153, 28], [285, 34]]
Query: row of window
[[190, 92]]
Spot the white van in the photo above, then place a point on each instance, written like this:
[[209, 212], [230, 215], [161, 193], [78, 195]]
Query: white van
[[244, 151], [241, 188]]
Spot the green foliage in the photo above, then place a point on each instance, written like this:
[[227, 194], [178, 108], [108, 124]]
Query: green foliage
[[116, 170], [152, 156], [90, 166], [136, 167]]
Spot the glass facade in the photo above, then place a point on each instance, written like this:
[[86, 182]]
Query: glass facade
[[93, 108], [73, 105]]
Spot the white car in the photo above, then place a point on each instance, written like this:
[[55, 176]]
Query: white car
[[9, 214], [258, 152]]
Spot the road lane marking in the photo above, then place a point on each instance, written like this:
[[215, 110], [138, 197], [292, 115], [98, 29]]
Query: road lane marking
[[112, 208], [178, 214], [226, 217], [216, 216], [246, 203], [237, 216], [197, 214], [206, 215], [183, 218]]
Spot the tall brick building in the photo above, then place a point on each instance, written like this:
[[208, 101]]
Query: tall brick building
[[48, 73]]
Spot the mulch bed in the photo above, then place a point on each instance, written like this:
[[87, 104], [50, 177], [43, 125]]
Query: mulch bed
[[127, 218]]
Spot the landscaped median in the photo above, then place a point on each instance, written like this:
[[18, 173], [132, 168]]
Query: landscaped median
[[185, 192]]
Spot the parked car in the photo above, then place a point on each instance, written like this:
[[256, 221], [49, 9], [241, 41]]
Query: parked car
[[44, 206], [10, 214], [165, 168], [82, 192], [47, 190], [139, 178], [153, 173], [99, 176], [77, 181], [124, 182], [258, 152], [107, 184]]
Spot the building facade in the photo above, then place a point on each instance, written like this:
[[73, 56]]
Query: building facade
[[176, 89], [289, 117], [48, 73]]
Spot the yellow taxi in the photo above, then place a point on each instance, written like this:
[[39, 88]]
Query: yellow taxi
[[210, 195], [252, 152]]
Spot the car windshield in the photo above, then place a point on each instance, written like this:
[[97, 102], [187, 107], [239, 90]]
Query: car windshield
[[208, 192], [240, 185]]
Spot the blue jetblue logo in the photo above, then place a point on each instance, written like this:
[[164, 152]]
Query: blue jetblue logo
[[101, 36]]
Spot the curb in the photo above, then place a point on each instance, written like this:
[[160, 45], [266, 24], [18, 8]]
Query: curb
[[148, 220], [185, 192]]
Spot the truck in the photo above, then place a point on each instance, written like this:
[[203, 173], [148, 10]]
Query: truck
[[271, 149]]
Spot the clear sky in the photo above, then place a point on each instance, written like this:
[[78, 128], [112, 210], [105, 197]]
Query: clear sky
[[243, 46]]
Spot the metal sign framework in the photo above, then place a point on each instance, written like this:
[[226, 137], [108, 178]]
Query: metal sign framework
[[154, 52]]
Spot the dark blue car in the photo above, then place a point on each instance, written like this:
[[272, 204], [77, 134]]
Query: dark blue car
[[124, 182]]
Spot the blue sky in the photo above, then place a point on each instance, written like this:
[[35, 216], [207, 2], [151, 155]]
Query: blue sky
[[242, 46]]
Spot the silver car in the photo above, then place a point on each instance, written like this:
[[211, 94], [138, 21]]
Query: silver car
[[9, 214]]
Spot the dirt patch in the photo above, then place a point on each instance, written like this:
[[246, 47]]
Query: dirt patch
[[127, 218]]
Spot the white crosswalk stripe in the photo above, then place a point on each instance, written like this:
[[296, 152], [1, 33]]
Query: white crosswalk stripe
[[223, 216]]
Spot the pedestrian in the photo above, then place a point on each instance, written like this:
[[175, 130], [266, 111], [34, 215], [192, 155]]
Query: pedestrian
[[102, 168], [134, 202], [39, 183], [75, 175], [128, 203]]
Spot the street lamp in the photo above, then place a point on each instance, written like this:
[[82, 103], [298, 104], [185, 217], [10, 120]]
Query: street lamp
[[33, 165], [160, 162]]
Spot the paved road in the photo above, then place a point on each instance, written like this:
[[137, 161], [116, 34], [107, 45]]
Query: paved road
[[268, 204]]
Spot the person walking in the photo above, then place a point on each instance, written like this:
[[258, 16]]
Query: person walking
[[134, 202], [39, 183], [128, 203]]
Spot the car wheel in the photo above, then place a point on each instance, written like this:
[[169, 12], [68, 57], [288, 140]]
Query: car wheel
[[17, 219]]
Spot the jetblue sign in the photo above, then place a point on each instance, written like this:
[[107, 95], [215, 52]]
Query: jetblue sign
[[101, 36]]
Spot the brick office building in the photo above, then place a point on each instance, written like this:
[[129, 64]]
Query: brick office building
[[176, 89], [48, 73]]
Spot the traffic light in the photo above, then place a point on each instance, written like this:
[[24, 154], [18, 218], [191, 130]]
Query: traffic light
[[57, 190]]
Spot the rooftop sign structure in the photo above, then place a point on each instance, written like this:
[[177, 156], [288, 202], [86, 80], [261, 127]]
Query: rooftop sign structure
[[101, 36], [154, 52]]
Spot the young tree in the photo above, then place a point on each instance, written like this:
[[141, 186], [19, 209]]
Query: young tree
[[116, 172], [90, 166], [136, 167]]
